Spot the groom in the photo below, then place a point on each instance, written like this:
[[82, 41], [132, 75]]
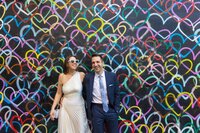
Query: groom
[[101, 92]]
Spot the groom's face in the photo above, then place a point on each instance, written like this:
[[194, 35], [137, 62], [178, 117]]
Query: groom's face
[[97, 64]]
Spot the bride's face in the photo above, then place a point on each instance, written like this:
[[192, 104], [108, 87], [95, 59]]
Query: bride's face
[[73, 63]]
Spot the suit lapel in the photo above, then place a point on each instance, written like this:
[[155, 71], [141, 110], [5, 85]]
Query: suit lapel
[[92, 84], [107, 79]]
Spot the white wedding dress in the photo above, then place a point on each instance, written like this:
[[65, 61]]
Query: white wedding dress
[[72, 115]]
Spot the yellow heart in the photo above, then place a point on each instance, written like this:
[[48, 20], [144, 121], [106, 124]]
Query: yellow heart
[[27, 126], [2, 97], [114, 30], [177, 65], [191, 65], [89, 25], [45, 21], [135, 72], [156, 125], [37, 55], [175, 99], [141, 126], [4, 11], [3, 61], [169, 70], [127, 111], [55, 68], [40, 125], [60, 7]]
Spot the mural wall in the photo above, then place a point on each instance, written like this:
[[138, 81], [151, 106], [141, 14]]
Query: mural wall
[[152, 45]]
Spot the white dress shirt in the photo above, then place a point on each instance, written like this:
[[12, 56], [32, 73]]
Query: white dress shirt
[[96, 89]]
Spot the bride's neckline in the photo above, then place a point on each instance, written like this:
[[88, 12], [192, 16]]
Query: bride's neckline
[[70, 74], [69, 77]]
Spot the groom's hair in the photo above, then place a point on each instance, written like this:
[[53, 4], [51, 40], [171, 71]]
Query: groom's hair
[[97, 55]]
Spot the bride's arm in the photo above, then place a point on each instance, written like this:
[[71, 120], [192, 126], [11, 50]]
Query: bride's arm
[[82, 75], [57, 97]]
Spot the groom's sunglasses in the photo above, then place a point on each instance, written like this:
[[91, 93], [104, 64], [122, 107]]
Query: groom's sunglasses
[[74, 61]]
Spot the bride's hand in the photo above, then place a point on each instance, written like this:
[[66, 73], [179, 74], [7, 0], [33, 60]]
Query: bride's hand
[[52, 114]]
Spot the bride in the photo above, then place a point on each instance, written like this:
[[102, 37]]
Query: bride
[[72, 116]]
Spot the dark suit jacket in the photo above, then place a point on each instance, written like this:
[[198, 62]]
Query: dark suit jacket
[[112, 87]]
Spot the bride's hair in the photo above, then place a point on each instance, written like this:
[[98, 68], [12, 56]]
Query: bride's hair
[[65, 67]]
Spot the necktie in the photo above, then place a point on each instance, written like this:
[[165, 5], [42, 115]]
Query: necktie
[[103, 95]]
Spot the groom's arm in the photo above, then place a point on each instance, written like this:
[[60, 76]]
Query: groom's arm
[[84, 88]]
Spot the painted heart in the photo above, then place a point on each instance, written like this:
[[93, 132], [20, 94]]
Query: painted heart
[[26, 39], [116, 61], [193, 33], [47, 42], [189, 51], [102, 12], [178, 41], [182, 10], [88, 4], [8, 113], [41, 128], [45, 11], [16, 98], [160, 6], [113, 34], [12, 23], [132, 59], [158, 126], [185, 67], [48, 23], [22, 10], [193, 112], [109, 4], [93, 48], [188, 83], [62, 14], [93, 26], [165, 48], [12, 69], [151, 43], [1, 99], [72, 11], [34, 59], [159, 95], [3, 84], [132, 16], [40, 117], [178, 100], [75, 37], [3, 42], [32, 106], [143, 33], [62, 5], [18, 121], [2, 10], [155, 117], [165, 29], [13, 66], [4, 54], [57, 65], [130, 101], [171, 66], [126, 125], [158, 70], [15, 45], [132, 111]]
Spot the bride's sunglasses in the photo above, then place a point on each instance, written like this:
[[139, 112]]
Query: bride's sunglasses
[[74, 61]]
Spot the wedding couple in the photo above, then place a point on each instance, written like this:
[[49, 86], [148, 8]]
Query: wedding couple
[[99, 89]]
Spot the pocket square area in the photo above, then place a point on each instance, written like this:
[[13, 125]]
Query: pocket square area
[[111, 85]]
